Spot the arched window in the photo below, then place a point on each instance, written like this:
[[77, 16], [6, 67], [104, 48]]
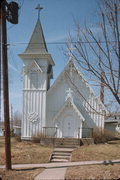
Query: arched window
[[34, 80]]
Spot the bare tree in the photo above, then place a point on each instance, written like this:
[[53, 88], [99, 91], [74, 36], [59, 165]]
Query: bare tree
[[98, 50], [17, 118]]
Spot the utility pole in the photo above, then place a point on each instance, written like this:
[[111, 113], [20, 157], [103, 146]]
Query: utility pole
[[9, 11], [5, 89]]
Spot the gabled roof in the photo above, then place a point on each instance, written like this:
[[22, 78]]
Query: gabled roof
[[27, 69], [69, 103], [72, 63], [36, 64], [37, 42]]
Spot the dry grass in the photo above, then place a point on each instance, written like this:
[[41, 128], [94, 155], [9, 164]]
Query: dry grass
[[93, 172], [25, 152], [20, 174], [97, 152]]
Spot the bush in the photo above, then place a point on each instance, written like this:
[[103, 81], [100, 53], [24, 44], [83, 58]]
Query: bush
[[102, 136]]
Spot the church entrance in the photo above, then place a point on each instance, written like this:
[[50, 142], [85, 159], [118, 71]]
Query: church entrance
[[68, 127]]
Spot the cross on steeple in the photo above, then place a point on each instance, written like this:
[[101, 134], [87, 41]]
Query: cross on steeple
[[39, 8]]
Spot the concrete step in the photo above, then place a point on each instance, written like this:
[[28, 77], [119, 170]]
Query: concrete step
[[66, 139], [61, 154], [60, 157], [59, 160], [66, 146], [63, 149], [73, 141], [64, 143]]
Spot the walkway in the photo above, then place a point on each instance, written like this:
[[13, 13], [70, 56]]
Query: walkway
[[52, 174], [63, 164], [56, 171]]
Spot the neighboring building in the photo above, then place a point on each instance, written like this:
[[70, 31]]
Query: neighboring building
[[69, 105], [112, 123], [17, 130]]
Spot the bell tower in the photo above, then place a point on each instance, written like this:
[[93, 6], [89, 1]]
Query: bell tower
[[37, 73]]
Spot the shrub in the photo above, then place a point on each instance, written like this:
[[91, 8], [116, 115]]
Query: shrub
[[102, 136]]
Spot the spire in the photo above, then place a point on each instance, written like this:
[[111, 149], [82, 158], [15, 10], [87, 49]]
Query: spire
[[37, 42], [37, 46]]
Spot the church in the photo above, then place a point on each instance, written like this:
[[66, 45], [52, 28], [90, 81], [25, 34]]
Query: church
[[67, 109]]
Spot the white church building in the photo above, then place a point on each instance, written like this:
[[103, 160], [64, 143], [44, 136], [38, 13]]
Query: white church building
[[68, 108]]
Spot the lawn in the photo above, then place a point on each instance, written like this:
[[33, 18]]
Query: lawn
[[93, 172], [97, 152], [28, 152], [25, 152], [20, 174]]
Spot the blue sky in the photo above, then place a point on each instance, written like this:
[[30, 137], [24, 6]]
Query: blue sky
[[57, 19]]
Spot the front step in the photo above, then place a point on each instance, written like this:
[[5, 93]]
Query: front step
[[66, 143], [59, 160], [66, 146], [61, 155]]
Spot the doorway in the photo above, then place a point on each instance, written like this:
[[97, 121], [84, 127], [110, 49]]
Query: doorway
[[68, 127]]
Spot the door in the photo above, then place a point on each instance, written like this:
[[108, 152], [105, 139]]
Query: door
[[68, 127]]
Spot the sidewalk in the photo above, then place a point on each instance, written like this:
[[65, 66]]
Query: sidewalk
[[63, 164], [52, 174]]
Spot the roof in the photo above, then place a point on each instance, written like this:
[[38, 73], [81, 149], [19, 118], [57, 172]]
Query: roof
[[115, 115], [111, 121], [37, 42], [69, 103], [17, 127], [72, 63], [37, 47], [113, 118]]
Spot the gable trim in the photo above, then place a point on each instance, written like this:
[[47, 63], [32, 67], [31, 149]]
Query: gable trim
[[70, 104], [27, 70]]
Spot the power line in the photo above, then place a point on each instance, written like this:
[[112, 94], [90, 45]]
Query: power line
[[65, 42]]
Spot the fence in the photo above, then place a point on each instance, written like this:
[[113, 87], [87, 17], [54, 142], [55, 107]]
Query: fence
[[50, 132], [82, 133]]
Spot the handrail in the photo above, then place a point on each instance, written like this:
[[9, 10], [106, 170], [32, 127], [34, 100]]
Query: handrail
[[45, 128], [55, 132], [91, 131]]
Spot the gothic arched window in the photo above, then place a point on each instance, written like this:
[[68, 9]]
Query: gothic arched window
[[34, 80]]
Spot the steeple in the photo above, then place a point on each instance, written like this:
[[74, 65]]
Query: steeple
[[37, 42], [37, 47]]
